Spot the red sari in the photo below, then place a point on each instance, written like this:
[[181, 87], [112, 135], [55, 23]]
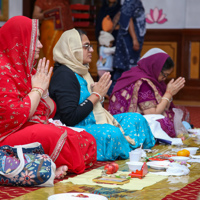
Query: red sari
[[77, 150]]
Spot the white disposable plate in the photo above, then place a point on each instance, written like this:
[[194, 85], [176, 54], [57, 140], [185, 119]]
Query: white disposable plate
[[192, 150], [72, 196], [158, 164], [193, 130], [180, 158], [195, 156]]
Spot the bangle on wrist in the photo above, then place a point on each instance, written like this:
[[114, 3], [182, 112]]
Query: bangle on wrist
[[171, 100], [97, 94], [39, 88], [102, 100], [46, 95], [35, 90], [166, 99]]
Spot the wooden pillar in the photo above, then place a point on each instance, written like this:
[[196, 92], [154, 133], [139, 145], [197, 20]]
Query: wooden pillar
[[28, 6]]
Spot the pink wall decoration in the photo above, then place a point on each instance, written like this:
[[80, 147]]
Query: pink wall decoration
[[156, 16]]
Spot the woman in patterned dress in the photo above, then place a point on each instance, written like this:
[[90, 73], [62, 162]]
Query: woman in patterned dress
[[25, 106], [78, 101], [142, 89]]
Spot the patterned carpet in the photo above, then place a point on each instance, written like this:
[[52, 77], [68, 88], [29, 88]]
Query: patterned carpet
[[194, 115], [9, 192], [190, 192]]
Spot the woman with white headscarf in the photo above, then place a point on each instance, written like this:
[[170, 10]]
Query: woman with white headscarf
[[78, 101]]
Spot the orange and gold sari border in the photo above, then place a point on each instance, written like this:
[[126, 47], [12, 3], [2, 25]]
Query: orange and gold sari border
[[143, 106], [133, 107], [156, 93]]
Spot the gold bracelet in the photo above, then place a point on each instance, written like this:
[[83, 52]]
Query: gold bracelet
[[34, 90]]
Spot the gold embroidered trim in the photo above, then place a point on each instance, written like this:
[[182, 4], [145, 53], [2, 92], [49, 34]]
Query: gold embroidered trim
[[34, 38], [59, 146], [148, 104]]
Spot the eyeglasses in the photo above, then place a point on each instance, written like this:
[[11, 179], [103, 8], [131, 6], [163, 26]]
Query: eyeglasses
[[164, 75], [87, 46]]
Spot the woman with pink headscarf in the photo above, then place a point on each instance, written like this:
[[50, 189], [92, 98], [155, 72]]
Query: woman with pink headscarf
[[142, 89]]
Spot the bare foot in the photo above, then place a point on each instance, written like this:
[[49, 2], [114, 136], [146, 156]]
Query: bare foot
[[61, 172]]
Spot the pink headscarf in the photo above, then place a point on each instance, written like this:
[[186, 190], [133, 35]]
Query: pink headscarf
[[149, 66]]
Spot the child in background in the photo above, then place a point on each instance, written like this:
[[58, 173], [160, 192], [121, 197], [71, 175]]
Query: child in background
[[106, 51]]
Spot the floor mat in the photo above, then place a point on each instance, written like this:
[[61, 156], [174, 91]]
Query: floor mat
[[9, 192], [189, 192], [194, 116]]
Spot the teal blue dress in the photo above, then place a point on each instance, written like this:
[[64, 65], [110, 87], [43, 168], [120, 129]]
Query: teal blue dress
[[111, 143]]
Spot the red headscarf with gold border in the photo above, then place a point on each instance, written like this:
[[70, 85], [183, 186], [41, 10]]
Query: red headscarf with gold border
[[18, 39]]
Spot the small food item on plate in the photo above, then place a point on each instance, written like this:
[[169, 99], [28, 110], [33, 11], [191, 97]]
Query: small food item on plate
[[81, 195], [183, 152], [160, 157]]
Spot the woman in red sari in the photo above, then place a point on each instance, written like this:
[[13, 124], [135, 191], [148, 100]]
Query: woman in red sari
[[25, 106]]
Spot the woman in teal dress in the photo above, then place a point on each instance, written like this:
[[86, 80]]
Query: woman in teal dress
[[78, 99]]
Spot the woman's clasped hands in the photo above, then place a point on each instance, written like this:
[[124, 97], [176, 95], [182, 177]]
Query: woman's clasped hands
[[101, 87], [174, 86], [42, 77]]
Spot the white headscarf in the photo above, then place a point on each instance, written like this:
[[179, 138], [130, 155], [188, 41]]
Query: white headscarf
[[68, 51], [152, 52]]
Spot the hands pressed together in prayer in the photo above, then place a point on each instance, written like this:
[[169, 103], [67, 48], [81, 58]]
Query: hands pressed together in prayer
[[174, 86], [42, 77], [100, 88], [40, 83]]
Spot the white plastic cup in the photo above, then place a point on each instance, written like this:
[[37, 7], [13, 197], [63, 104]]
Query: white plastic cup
[[135, 155]]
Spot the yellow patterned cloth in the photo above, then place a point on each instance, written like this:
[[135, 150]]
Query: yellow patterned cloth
[[134, 184]]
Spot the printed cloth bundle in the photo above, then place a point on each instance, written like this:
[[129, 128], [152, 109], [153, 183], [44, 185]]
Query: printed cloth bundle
[[26, 165]]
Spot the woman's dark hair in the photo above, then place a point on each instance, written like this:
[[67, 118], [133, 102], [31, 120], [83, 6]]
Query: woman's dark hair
[[81, 32], [168, 64]]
